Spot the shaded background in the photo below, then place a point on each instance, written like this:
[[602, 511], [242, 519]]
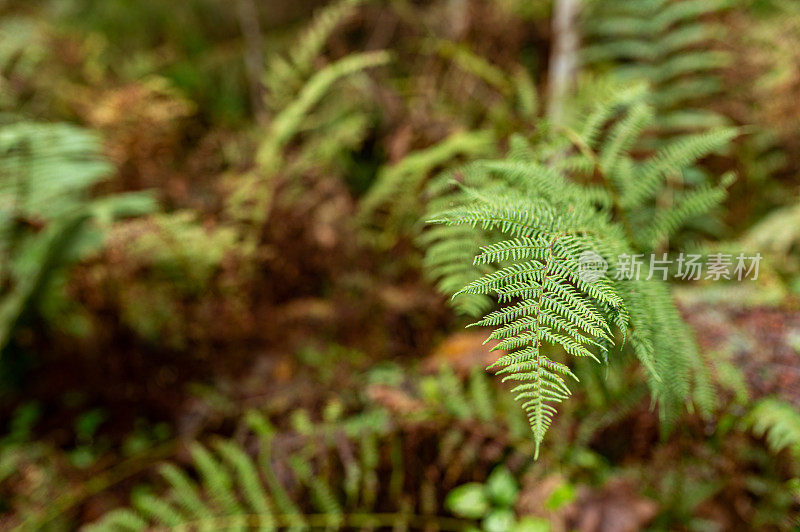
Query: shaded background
[[179, 250]]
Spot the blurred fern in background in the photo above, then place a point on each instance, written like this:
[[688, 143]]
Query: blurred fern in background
[[297, 158], [666, 43], [48, 217]]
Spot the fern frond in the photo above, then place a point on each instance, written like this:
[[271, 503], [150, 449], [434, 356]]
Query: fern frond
[[286, 74], [217, 479], [665, 43], [47, 172], [186, 495], [225, 477], [687, 206], [529, 228], [779, 422], [321, 492], [674, 157], [286, 124], [554, 304], [403, 180], [624, 134], [248, 477], [330, 482]]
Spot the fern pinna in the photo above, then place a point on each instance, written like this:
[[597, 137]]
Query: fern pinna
[[778, 422], [532, 220]]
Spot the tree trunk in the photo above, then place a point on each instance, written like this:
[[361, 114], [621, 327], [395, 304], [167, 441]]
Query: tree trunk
[[564, 56]]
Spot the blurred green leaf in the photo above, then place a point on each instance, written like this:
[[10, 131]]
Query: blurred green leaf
[[500, 520], [468, 501], [561, 496], [531, 524], [501, 487], [794, 488], [88, 423], [82, 457]]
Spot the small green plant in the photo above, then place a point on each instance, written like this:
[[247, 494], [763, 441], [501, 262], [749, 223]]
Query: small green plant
[[779, 423], [88, 445], [493, 504]]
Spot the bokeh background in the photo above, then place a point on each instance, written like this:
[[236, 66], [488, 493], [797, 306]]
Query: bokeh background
[[210, 231]]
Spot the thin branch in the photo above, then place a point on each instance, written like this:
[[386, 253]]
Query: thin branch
[[247, 14]]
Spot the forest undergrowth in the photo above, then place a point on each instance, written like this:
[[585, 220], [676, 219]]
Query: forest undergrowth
[[223, 307]]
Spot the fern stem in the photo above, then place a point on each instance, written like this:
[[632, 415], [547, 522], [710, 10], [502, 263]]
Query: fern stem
[[253, 521], [607, 184], [539, 433]]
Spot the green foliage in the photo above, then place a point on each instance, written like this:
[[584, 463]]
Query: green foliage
[[286, 74], [287, 123], [343, 471], [311, 107], [171, 260], [535, 215], [779, 422], [398, 187], [22, 48], [515, 230], [501, 487], [468, 500], [777, 236], [493, 503], [296, 84], [188, 43], [666, 43], [176, 248], [230, 489], [47, 213], [444, 396], [249, 202], [393, 201]]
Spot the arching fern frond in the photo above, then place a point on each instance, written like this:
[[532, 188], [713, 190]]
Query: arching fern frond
[[532, 227], [287, 122], [554, 305], [287, 73], [248, 203]]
